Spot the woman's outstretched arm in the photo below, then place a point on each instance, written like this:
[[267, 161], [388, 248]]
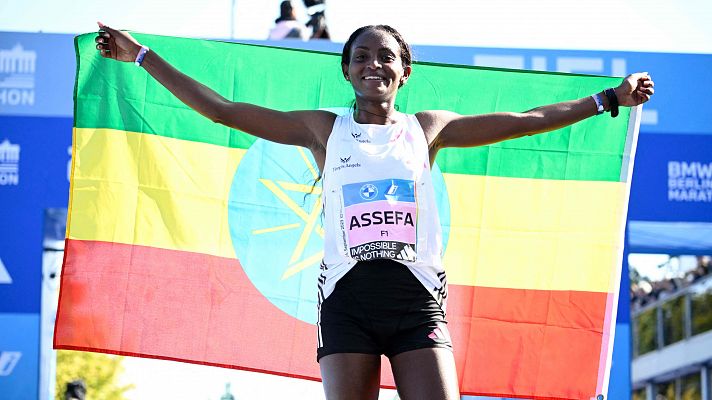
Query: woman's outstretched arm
[[302, 128], [448, 129]]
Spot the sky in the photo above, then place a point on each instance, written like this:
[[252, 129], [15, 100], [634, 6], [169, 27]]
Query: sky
[[680, 26]]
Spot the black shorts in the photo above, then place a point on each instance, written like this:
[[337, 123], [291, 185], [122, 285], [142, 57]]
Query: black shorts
[[380, 307]]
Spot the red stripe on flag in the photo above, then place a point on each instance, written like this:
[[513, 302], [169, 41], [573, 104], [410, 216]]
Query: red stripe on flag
[[157, 303], [511, 341]]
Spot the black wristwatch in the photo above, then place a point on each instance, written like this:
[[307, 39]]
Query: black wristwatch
[[612, 101]]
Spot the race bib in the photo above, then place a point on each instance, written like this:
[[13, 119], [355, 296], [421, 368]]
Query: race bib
[[380, 219]]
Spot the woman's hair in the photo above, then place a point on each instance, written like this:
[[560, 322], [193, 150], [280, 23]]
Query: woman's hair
[[405, 52], [285, 12]]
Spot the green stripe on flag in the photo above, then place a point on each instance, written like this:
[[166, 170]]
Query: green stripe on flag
[[287, 79]]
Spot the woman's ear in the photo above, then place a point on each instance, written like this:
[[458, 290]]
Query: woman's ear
[[345, 71], [406, 74]]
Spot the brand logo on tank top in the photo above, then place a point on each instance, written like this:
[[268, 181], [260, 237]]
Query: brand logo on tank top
[[345, 164], [357, 137], [368, 192]]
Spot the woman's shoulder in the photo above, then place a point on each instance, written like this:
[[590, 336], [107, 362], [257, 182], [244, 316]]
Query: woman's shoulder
[[433, 121], [433, 115], [435, 118], [323, 123]]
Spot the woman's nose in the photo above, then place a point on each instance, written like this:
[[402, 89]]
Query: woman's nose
[[374, 63]]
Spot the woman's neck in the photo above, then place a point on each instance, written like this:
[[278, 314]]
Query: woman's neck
[[374, 113]]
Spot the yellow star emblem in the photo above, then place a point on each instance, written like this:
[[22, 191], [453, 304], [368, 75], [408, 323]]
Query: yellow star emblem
[[297, 261]]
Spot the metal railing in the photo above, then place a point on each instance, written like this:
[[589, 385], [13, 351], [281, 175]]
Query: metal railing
[[679, 316]]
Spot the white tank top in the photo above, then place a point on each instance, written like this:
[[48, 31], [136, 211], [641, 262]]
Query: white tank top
[[379, 202]]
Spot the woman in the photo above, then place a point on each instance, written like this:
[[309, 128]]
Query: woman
[[287, 26], [382, 289]]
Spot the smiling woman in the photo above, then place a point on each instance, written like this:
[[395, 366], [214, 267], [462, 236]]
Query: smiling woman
[[382, 287]]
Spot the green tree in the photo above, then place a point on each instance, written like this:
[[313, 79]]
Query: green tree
[[99, 372]]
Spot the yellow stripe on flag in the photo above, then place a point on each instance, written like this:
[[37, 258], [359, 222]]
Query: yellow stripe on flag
[[151, 190], [540, 234]]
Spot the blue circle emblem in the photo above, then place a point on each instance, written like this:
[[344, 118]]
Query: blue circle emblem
[[276, 225], [369, 191]]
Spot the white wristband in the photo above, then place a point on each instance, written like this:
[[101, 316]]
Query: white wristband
[[141, 54], [599, 103]]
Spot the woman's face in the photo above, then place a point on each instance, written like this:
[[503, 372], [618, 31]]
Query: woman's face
[[376, 69]]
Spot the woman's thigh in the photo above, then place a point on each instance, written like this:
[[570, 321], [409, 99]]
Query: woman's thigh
[[427, 374], [348, 376]]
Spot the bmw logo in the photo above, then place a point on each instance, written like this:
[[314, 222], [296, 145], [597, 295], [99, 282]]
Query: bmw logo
[[369, 191]]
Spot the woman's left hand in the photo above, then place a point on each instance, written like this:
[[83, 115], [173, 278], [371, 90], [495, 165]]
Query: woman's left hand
[[635, 89]]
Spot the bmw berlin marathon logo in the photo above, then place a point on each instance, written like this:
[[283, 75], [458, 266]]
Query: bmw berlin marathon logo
[[276, 221]]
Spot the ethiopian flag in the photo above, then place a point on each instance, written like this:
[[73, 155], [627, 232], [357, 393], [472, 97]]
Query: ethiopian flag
[[189, 241]]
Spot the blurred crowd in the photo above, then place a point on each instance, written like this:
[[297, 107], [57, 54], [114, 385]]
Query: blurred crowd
[[287, 26], [645, 292]]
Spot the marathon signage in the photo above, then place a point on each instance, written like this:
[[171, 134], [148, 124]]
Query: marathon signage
[[672, 179], [33, 177], [17, 76], [690, 181], [9, 163], [36, 74]]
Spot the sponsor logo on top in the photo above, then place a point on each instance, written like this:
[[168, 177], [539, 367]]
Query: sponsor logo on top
[[346, 163], [690, 181], [357, 137], [17, 76], [9, 163], [368, 192], [8, 361]]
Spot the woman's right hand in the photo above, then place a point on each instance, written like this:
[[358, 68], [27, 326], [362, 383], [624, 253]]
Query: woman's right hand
[[116, 44]]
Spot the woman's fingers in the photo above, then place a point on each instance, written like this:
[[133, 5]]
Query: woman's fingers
[[647, 90], [103, 44]]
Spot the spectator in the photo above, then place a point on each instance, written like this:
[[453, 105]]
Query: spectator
[[287, 26], [703, 268], [645, 292], [318, 25], [76, 390]]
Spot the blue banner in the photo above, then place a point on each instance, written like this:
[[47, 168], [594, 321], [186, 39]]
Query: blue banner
[[34, 161], [19, 356], [36, 74], [672, 179]]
